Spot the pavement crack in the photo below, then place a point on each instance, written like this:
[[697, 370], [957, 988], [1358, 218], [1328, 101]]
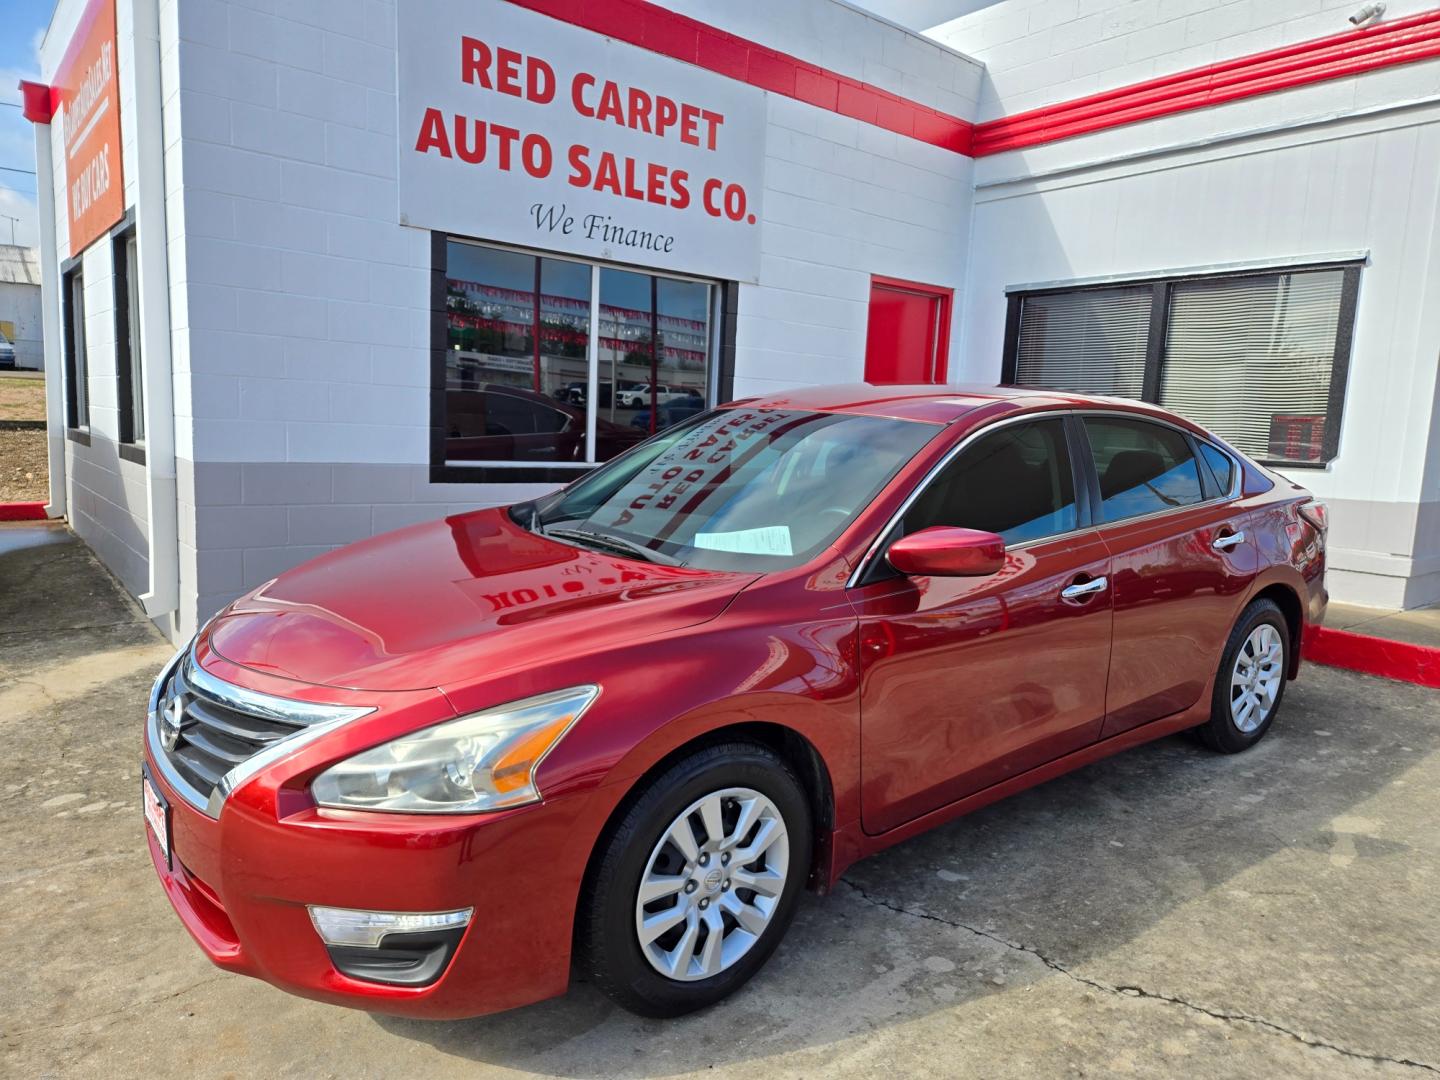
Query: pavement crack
[[110, 1014], [1132, 991]]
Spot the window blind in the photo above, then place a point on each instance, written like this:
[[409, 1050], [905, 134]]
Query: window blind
[[1251, 359], [1091, 341]]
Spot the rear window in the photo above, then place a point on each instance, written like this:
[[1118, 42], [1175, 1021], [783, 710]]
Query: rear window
[[1222, 465]]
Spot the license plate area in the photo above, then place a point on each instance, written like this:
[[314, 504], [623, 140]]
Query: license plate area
[[157, 814]]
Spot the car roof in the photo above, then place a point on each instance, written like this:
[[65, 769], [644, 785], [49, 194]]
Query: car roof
[[933, 404]]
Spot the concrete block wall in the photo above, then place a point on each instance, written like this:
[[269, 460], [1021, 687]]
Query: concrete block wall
[[1037, 52], [843, 200], [305, 322], [106, 494], [856, 43]]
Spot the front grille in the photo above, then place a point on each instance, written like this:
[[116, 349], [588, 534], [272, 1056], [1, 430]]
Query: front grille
[[214, 736]]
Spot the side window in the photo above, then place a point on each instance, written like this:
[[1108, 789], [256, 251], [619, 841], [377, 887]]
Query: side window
[[1222, 466], [77, 382], [1016, 482], [1143, 467]]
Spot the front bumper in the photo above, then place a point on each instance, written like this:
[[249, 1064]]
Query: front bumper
[[242, 881]]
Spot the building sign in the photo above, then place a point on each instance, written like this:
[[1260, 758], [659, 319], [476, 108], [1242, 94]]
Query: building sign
[[89, 87], [523, 129], [1297, 437]]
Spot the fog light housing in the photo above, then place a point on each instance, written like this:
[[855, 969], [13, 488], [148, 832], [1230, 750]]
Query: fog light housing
[[398, 948]]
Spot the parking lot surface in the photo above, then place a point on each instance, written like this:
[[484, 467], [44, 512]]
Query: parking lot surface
[[1166, 912]]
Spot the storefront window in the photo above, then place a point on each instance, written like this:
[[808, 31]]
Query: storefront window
[[520, 357], [1258, 357], [654, 341]]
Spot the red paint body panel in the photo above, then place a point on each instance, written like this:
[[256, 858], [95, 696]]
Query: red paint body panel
[[948, 551], [921, 698], [481, 594], [952, 700], [1176, 598]]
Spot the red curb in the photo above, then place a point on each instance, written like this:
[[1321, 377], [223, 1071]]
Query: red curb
[[22, 511], [1419, 664]]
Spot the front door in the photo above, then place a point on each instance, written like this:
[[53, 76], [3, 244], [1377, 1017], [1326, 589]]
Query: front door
[[1181, 566], [968, 681]]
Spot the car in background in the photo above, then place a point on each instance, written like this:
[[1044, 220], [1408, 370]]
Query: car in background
[[7, 352], [669, 414], [604, 392], [643, 394], [510, 423], [618, 729]]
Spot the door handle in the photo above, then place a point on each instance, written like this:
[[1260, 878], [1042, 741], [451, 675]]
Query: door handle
[[1084, 589], [1228, 541]]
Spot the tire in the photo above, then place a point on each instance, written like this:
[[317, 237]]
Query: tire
[[717, 778], [1236, 723]]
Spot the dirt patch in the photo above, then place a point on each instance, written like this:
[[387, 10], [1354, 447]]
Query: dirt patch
[[22, 398], [24, 466]]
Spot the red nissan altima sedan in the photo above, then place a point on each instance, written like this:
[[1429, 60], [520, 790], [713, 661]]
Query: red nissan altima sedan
[[617, 730]]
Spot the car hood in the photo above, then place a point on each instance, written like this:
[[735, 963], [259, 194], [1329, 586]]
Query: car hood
[[436, 604]]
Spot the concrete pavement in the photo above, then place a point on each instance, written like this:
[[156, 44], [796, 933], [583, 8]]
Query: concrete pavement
[[1167, 912]]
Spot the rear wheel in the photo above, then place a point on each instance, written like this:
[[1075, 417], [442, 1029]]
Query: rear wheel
[[1251, 680], [694, 888]]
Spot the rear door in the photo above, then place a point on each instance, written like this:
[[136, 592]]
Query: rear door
[[966, 681], [1180, 564]]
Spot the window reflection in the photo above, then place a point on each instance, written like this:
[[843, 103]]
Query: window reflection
[[1143, 468], [1016, 482], [654, 343], [518, 356]]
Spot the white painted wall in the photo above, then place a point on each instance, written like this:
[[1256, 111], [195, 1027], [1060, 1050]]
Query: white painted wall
[[302, 321], [106, 494], [1038, 52], [1362, 184], [300, 306], [20, 306]]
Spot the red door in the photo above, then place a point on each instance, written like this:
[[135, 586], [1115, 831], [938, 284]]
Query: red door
[[909, 332], [967, 681]]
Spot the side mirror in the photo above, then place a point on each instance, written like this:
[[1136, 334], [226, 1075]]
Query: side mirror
[[945, 551]]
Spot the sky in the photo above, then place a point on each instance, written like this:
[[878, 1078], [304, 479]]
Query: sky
[[20, 33]]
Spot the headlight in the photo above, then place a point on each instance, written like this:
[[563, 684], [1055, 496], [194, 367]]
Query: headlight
[[485, 761]]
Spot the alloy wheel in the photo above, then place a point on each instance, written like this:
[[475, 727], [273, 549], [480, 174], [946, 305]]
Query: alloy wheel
[[712, 884], [1256, 677]]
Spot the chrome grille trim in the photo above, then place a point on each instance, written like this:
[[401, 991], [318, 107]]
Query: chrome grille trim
[[253, 748]]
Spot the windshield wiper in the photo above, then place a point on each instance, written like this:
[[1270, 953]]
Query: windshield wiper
[[612, 543]]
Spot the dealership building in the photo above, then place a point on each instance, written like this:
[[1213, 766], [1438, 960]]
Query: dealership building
[[321, 269]]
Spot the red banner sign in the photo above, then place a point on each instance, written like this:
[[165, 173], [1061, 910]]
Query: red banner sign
[[88, 83]]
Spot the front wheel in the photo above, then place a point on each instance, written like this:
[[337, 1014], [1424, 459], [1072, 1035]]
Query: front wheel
[[691, 892], [1251, 680]]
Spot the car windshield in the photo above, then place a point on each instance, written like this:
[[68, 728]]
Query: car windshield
[[735, 489]]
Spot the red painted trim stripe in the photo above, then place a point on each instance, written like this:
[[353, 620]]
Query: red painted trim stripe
[[1400, 660], [22, 511], [660, 30], [1403, 41], [39, 101]]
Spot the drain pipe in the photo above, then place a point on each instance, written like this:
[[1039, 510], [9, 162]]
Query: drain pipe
[[39, 106], [163, 596]]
